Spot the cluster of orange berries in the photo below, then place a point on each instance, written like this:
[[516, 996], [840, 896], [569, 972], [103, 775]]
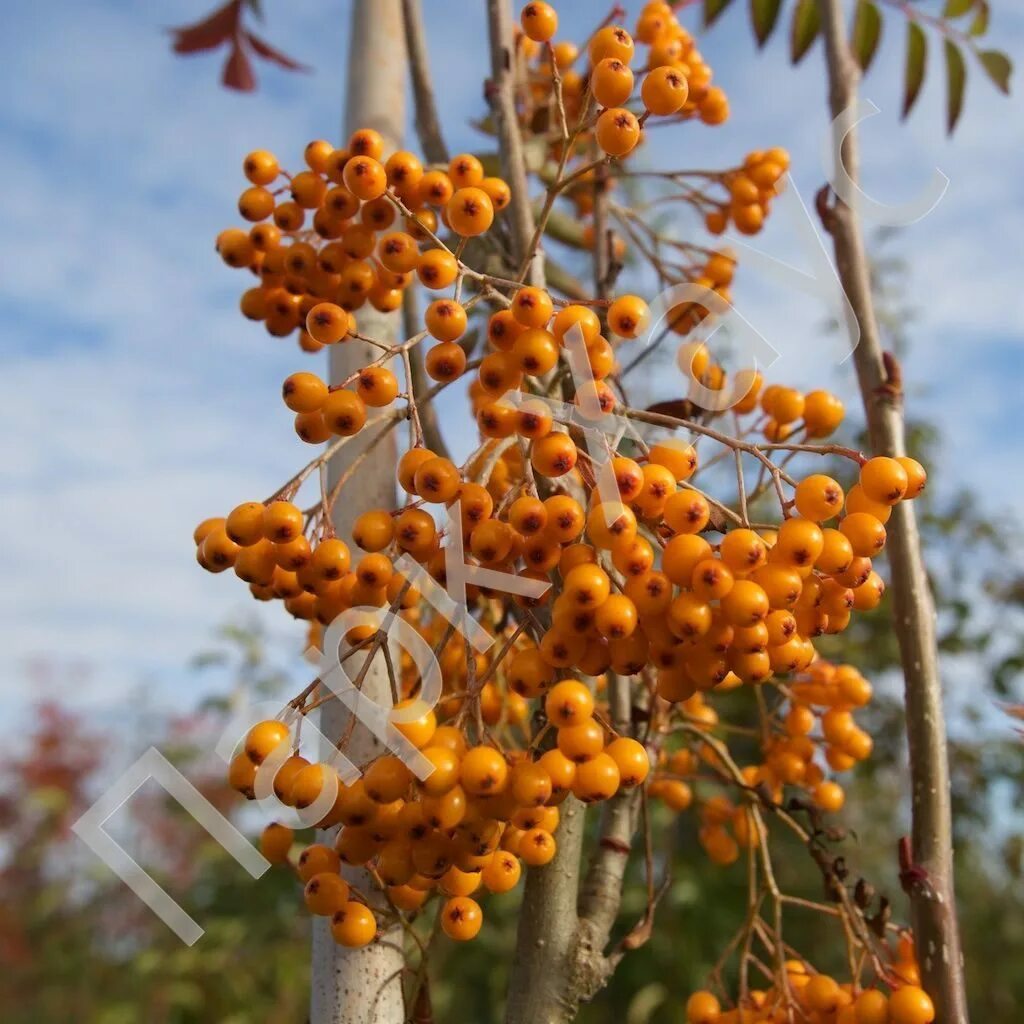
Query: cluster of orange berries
[[818, 997], [333, 237], [468, 826], [676, 81], [825, 695]]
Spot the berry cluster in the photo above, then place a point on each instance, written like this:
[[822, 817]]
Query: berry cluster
[[347, 230], [819, 997], [663, 587], [470, 824]]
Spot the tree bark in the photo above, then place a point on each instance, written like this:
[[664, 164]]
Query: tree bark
[[364, 986], [931, 894]]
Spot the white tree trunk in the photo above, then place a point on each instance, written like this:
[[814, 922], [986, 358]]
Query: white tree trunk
[[363, 986]]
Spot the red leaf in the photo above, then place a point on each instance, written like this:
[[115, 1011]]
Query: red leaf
[[211, 32], [267, 52], [238, 72]]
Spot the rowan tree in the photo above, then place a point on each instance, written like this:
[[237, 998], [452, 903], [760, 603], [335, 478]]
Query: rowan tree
[[553, 620]]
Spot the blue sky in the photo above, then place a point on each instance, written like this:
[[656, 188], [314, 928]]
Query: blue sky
[[137, 401]]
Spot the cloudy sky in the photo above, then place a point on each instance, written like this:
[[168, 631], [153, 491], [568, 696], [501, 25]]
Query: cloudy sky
[[137, 401]]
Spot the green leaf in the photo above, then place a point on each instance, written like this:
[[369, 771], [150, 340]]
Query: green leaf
[[957, 8], [763, 16], [915, 66], [712, 10], [979, 23], [805, 28], [956, 82], [867, 32], [998, 67]]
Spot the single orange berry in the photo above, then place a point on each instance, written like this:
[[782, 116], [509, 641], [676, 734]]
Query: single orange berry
[[353, 925], [470, 212], [628, 316], [665, 91], [532, 307], [261, 167], [617, 131], [539, 21]]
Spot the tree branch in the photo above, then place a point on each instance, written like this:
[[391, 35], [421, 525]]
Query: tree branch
[[428, 125], [501, 95], [932, 901]]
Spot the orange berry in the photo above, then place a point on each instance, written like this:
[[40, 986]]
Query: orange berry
[[377, 386], [823, 413], [244, 525], [665, 91], [702, 1008], [344, 412], [537, 847], [437, 269], [484, 771], [539, 21], [617, 131], [818, 498], [828, 796], [822, 993], [304, 392], [501, 873], [910, 1005], [437, 480], [871, 1007], [366, 142], [569, 702], [884, 480], [535, 351], [532, 307], [235, 247], [282, 522], [326, 893], [276, 842], [403, 169], [317, 859], [743, 551], [461, 918], [681, 556], [596, 779], [686, 512], [327, 323], [470, 212], [554, 455], [746, 604], [497, 191], [864, 532], [365, 178], [353, 925], [917, 478], [628, 316], [399, 252], [256, 203], [465, 170], [611, 82], [308, 189], [260, 167], [582, 741], [446, 319], [632, 760], [611, 41]]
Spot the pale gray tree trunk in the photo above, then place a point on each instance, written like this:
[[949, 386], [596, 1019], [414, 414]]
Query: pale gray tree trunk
[[364, 986]]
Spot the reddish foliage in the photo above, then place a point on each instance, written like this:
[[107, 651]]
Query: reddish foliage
[[224, 27]]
